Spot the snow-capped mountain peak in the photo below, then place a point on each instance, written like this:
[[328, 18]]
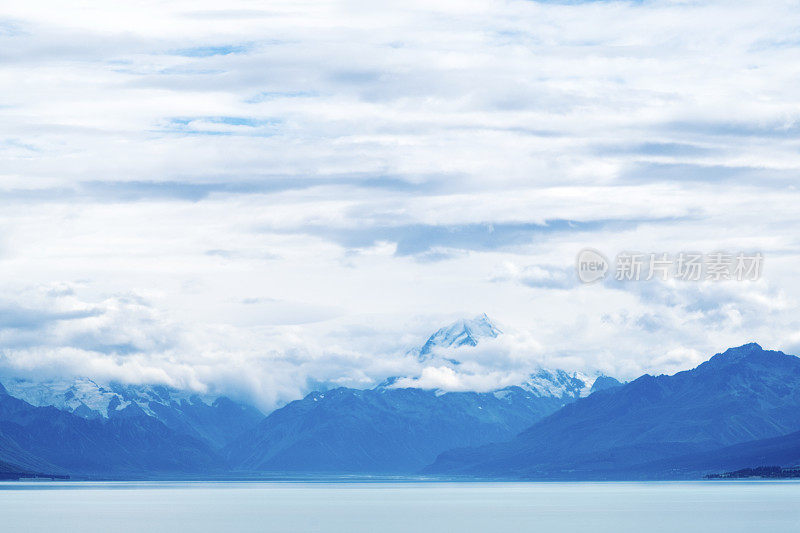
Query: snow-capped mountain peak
[[88, 399], [559, 384], [464, 332], [542, 383]]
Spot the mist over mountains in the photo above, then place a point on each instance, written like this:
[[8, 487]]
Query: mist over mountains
[[739, 409], [388, 429]]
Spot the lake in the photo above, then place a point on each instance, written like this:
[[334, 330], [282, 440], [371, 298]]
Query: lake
[[290, 507]]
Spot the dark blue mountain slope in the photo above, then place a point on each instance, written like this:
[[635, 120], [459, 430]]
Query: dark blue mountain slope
[[744, 394], [383, 430], [45, 439]]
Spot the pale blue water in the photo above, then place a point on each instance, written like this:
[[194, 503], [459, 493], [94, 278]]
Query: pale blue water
[[400, 507]]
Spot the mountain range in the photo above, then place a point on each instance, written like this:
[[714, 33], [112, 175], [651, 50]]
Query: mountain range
[[401, 430], [383, 430], [739, 406], [738, 410], [213, 420], [50, 441], [86, 428]]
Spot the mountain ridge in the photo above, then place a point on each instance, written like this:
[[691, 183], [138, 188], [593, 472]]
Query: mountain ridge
[[58, 442], [745, 393], [380, 430], [214, 420], [393, 428], [387, 429]]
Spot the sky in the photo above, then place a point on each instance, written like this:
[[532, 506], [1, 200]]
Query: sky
[[263, 198]]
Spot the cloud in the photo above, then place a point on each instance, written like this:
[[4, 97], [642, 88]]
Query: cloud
[[57, 318], [542, 276], [20, 318], [207, 51], [263, 201], [419, 239], [448, 379], [124, 338]]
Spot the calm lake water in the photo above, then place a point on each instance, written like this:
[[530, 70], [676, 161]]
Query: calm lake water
[[399, 507]]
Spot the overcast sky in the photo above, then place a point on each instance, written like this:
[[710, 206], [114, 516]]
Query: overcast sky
[[258, 197]]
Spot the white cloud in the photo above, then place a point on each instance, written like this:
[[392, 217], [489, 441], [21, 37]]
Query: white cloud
[[298, 194], [448, 379]]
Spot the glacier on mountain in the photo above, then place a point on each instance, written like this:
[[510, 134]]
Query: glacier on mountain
[[444, 344], [464, 332], [89, 399]]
